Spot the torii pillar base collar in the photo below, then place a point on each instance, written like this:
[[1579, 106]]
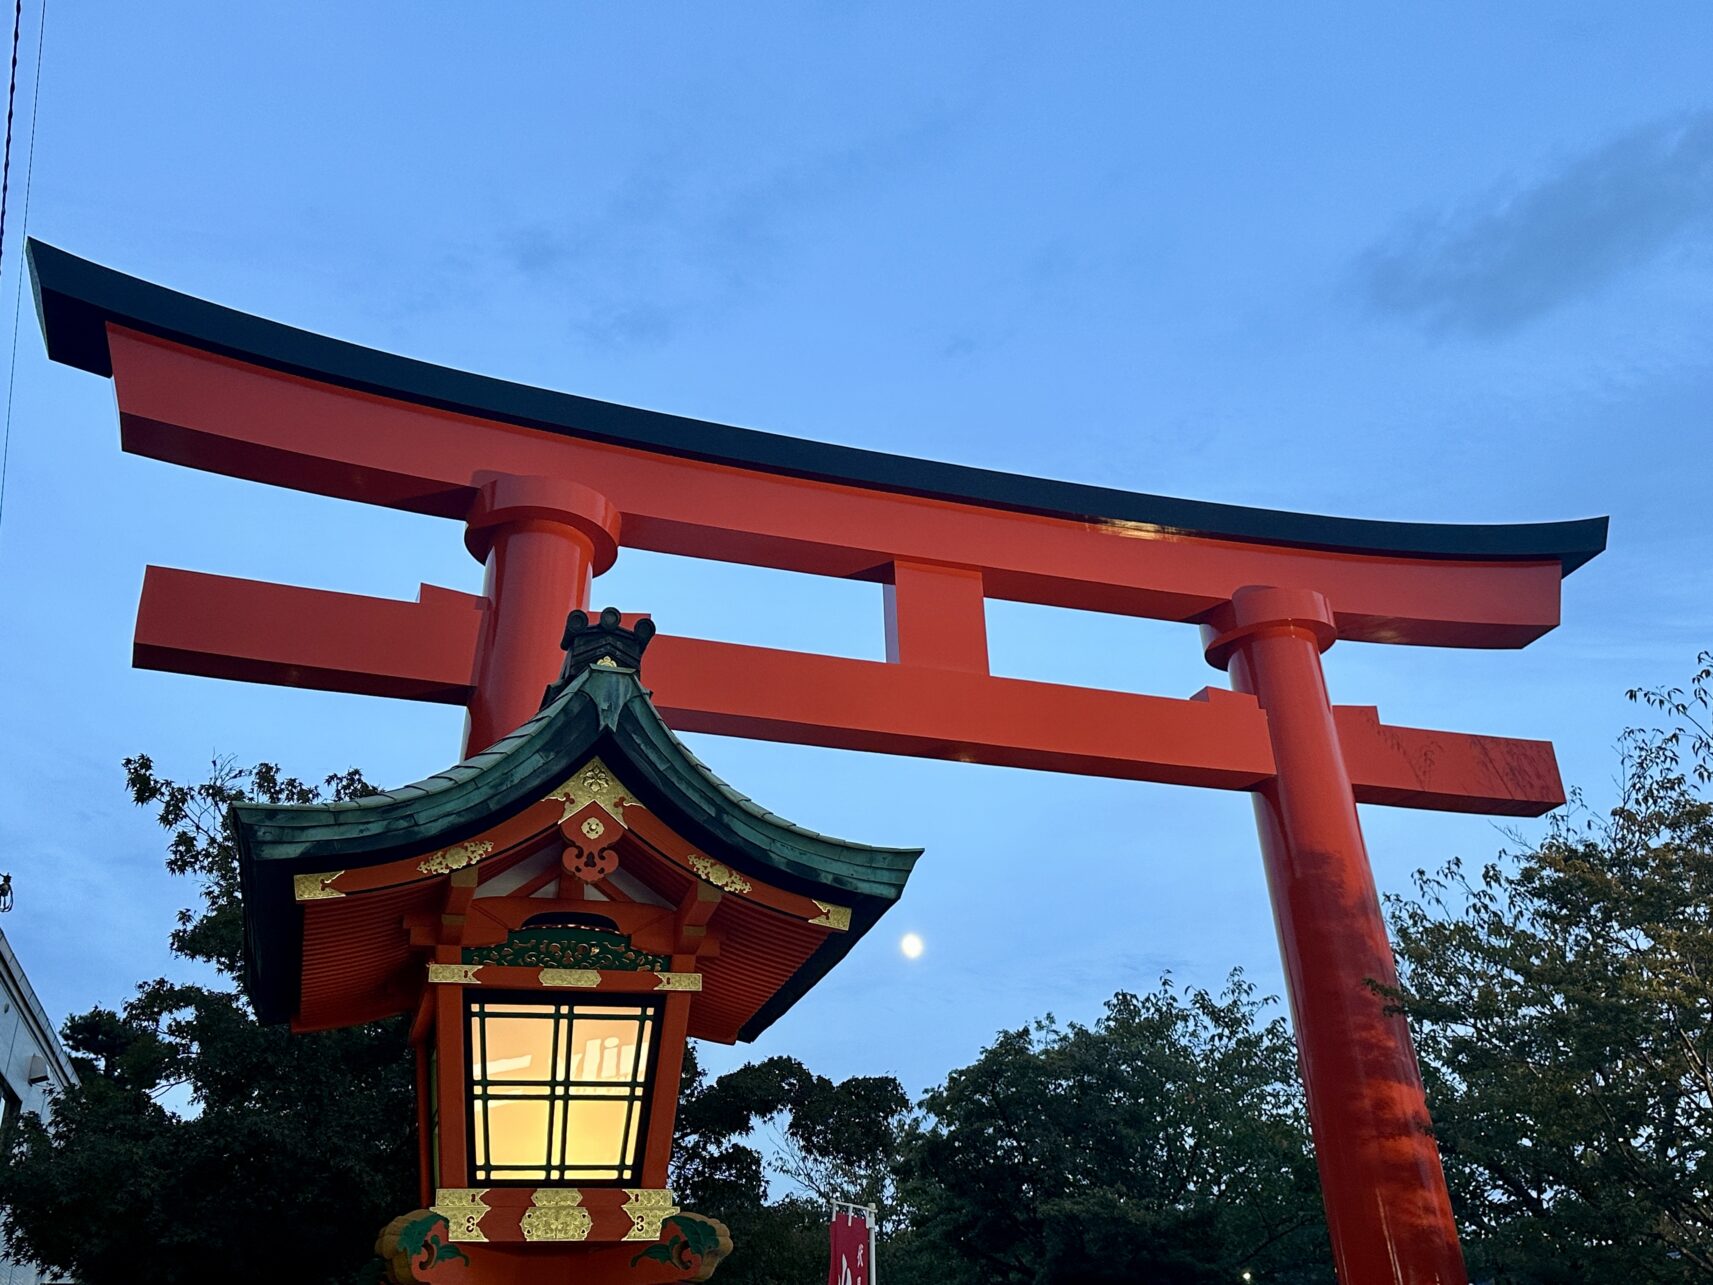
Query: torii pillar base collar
[[542, 539]]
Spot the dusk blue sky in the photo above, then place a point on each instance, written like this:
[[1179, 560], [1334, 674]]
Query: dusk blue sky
[[1445, 263]]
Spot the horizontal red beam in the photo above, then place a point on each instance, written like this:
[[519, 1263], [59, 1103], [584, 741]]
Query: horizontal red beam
[[767, 694], [1415, 767], [190, 622], [227, 416]]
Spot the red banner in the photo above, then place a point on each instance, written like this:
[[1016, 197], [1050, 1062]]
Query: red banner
[[850, 1250]]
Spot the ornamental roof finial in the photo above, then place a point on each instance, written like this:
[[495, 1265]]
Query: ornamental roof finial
[[603, 641]]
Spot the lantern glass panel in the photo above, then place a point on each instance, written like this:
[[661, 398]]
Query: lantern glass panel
[[558, 1089]]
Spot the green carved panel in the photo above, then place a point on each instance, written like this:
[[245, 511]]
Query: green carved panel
[[567, 948]]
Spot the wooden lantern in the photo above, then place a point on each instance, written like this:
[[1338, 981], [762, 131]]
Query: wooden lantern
[[558, 914]]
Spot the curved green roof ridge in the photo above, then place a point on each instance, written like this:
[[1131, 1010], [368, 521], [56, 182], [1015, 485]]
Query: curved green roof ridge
[[603, 713]]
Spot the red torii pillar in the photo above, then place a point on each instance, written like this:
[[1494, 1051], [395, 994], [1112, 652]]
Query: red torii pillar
[[548, 485], [541, 541], [1387, 1207]]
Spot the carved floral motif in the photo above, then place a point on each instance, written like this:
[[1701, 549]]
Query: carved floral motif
[[456, 857], [719, 874], [417, 1247], [578, 948], [556, 1214], [592, 783], [692, 1244]]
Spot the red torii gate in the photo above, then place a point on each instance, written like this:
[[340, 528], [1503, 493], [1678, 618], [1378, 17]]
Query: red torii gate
[[549, 486]]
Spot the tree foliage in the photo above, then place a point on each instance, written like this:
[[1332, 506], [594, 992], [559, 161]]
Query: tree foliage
[[775, 1123], [1562, 999], [296, 1149], [1167, 1142], [1164, 1143]]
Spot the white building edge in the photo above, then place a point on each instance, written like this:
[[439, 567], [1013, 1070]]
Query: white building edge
[[33, 1068]]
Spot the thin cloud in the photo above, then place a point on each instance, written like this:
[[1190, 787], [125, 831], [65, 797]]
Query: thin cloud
[[1517, 254], [675, 243]]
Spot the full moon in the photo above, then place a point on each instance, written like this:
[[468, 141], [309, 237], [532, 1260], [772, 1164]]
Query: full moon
[[911, 945]]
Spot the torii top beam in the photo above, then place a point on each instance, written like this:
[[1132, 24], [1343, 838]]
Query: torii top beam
[[78, 301]]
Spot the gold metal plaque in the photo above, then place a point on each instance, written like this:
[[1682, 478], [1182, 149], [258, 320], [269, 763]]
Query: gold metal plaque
[[314, 887], [456, 857], [458, 974], [556, 1213], [838, 918], [717, 873], [648, 1208], [592, 783], [586, 978], [462, 1208]]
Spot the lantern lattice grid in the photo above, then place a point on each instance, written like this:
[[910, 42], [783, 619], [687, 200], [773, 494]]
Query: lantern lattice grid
[[559, 1089]]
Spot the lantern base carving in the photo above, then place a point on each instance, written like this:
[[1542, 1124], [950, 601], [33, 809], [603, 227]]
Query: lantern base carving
[[418, 1248]]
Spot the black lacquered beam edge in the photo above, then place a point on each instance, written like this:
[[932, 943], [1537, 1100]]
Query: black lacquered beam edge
[[76, 298]]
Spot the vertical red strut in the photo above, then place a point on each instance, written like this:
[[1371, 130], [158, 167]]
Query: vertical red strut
[[542, 539], [1386, 1201]]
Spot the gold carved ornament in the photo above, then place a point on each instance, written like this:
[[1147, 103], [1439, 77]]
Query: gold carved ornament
[[838, 918], [314, 887], [719, 874], [648, 1208], [556, 1213], [678, 982], [592, 783], [462, 1208], [585, 978], [456, 857], [457, 974]]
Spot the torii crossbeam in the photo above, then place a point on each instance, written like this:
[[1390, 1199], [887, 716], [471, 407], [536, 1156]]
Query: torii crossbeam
[[550, 486]]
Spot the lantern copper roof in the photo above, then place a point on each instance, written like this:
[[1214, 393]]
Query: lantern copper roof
[[330, 890]]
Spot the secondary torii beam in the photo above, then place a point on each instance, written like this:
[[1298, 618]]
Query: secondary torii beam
[[191, 622]]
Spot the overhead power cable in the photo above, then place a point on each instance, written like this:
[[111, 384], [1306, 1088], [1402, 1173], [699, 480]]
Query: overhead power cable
[[5, 184], [11, 105]]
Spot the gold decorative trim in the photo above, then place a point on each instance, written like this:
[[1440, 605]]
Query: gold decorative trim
[[314, 887], [838, 918], [586, 978], [679, 982], [648, 1208], [456, 857], [592, 783], [556, 1213], [606, 662], [717, 873], [458, 974], [463, 1209]]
